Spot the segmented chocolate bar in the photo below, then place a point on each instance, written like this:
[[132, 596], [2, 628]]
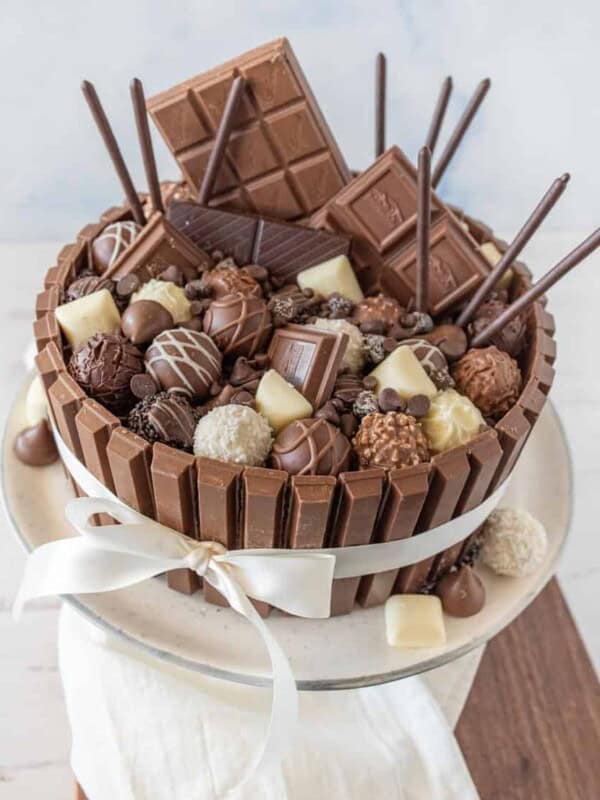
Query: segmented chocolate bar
[[129, 457], [310, 509], [46, 301], [281, 159], [49, 363], [95, 425], [51, 278], [46, 330], [65, 398]]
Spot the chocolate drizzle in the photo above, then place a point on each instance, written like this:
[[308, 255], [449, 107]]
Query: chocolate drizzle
[[240, 325], [311, 447]]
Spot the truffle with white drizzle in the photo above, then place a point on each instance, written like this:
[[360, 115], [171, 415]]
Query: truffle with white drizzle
[[112, 243], [184, 360]]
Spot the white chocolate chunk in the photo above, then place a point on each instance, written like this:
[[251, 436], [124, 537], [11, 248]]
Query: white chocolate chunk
[[36, 402], [402, 371], [491, 253], [280, 402], [414, 620], [94, 313], [335, 275], [169, 295]]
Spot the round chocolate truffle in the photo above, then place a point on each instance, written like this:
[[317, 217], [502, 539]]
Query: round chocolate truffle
[[432, 360], [490, 378], [224, 280], [103, 366], [234, 433], [394, 440], [511, 338], [462, 593], [184, 360], [165, 417], [450, 339], [378, 308], [452, 420], [35, 445], [514, 542], [240, 325], [112, 243], [311, 447], [88, 284], [145, 319]]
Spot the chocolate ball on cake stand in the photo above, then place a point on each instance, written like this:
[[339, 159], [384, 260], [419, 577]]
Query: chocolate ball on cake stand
[[185, 361], [240, 325], [311, 447]]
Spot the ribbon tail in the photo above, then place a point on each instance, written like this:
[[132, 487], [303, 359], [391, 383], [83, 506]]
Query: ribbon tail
[[284, 706]]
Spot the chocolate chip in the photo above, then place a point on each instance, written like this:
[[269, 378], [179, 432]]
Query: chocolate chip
[[172, 274], [242, 398], [190, 290], [215, 388], [348, 424], [418, 406], [328, 412], [390, 400], [389, 344], [142, 385], [198, 307], [370, 382], [194, 324], [257, 272], [261, 360], [127, 285], [373, 326]]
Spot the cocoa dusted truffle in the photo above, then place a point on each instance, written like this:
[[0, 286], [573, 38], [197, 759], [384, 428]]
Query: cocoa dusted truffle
[[88, 284], [166, 418], [112, 243], [184, 360], [103, 366], [490, 378], [311, 447], [377, 308], [240, 325], [392, 440], [224, 280], [511, 338]]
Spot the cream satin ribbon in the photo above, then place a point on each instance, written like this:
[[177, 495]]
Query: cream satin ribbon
[[109, 557]]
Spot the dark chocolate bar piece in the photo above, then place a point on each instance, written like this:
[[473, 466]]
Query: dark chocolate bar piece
[[311, 502], [129, 457], [281, 159], [281, 247], [309, 358]]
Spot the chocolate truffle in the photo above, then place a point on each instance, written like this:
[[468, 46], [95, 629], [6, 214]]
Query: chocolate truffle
[[169, 295], [240, 325], [462, 593], [224, 280], [234, 433], [311, 447], [378, 308], [511, 338], [490, 378], [450, 339], [392, 440], [184, 360], [145, 319], [35, 445], [514, 542], [165, 417], [112, 243], [354, 357], [452, 420], [88, 284], [432, 360], [104, 366]]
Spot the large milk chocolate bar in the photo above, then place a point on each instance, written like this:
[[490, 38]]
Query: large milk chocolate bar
[[283, 248], [281, 159]]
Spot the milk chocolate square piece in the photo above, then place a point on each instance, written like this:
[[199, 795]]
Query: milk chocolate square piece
[[309, 359], [281, 160]]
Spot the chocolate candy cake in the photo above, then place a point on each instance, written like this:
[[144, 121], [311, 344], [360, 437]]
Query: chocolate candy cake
[[294, 360]]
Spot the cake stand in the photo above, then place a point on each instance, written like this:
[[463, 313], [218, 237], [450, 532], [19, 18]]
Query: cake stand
[[338, 653]]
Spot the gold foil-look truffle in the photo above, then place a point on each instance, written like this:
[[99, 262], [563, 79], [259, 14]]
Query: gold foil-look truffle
[[452, 421], [490, 378], [392, 440]]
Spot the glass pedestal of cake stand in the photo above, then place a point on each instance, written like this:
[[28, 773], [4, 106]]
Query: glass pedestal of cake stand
[[339, 653]]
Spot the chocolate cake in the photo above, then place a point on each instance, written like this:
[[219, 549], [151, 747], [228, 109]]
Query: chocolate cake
[[316, 328]]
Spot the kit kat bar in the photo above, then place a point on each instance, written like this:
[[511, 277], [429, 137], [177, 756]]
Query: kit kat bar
[[71, 261], [95, 425], [360, 500], [45, 330], [219, 487], [46, 301], [49, 362], [513, 431], [129, 458], [65, 398], [51, 277], [450, 472], [310, 509], [174, 483], [405, 494]]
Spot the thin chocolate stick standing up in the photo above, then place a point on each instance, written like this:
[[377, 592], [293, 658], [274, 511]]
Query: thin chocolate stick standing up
[[538, 215], [571, 260], [380, 103], [103, 125], [145, 139], [461, 128], [438, 114], [221, 139], [423, 225]]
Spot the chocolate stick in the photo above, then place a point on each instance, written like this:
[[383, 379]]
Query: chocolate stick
[[538, 215], [571, 260], [380, 95], [439, 114], [145, 139], [103, 125], [423, 225], [461, 128], [221, 139]]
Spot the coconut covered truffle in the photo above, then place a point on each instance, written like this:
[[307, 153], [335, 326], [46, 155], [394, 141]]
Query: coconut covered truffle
[[490, 378], [354, 357], [169, 295], [234, 433], [514, 542], [452, 420]]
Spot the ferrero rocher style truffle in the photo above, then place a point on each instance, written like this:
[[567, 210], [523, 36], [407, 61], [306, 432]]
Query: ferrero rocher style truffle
[[490, 378], [432, 360], [234, 433], [224, 280], [452, 420], [169, 295], [112, 243], [239, 325], [184, 360], [354, 355], [311, 447], [166, 418], [511, 338], [103, 366], [392, 440], [378, 308]]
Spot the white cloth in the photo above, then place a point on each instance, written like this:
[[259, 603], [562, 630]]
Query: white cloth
[[143, 730]]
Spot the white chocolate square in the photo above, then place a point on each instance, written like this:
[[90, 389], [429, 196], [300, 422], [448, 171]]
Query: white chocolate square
[[335, 275], [491, 253], [94, 313], [280, 402], [402, 371], [414, 620], [36, 402]]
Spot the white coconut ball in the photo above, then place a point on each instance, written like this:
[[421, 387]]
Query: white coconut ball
[[169, 295], [354, 357], [514, 542], [234, 433]]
